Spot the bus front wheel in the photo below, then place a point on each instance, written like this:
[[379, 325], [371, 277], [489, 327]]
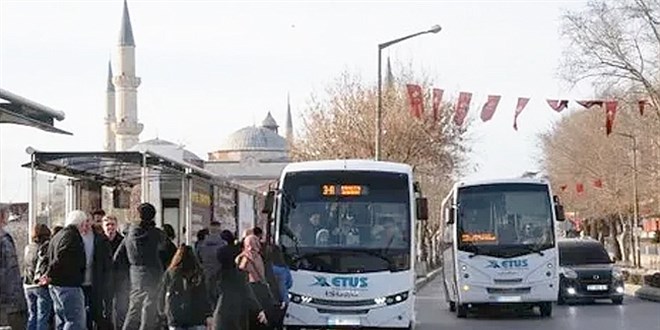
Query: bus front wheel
[[461, 311], [546, 309]]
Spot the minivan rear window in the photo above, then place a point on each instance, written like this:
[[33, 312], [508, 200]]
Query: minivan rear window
[[582, 254]]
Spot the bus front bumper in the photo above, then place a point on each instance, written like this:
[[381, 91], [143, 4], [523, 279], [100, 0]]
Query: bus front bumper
[[399, 315], [478, 293]]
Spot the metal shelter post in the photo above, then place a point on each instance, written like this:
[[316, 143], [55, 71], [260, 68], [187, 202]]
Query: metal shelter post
[[144, 180], [32, 219], [188, 199]]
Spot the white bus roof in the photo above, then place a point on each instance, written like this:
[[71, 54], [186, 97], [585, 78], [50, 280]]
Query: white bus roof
[[469, 183], [348, 164]]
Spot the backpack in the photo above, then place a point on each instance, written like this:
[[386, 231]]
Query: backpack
[[179, 299]]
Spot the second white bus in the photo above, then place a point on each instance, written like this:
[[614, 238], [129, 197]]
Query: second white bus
[[499, 245]]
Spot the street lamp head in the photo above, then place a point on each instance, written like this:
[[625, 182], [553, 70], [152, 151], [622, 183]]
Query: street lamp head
[[435, 28]]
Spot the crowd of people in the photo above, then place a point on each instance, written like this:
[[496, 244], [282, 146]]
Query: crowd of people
[[88, 275]]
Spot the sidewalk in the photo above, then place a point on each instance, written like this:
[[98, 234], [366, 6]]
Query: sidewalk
[[645, 292], [422, 281]]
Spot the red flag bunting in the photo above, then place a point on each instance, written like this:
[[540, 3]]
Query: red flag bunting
[[579, 188], [610, 114], [642, 104], [558, 105], [522, 103], [437, 100], [462, 107], [598, 183], [416, 97], [489, 107], [590, 103]]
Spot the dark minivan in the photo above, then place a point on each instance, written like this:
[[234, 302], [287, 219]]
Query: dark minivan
[[587, 272]]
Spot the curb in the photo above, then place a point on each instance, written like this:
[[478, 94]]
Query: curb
[[648, 293], [421, 282]]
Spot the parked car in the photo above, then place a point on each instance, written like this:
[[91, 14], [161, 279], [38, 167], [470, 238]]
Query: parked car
[[587, 272]]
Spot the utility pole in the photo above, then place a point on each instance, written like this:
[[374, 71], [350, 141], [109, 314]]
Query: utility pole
[[637, 253]]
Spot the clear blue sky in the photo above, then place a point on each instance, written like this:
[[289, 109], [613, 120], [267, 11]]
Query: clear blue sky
[[211, 67]]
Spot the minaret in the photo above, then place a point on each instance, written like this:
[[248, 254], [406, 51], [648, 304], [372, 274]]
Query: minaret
[[127, 128], [110, 119], [288, 129], [389, 76]]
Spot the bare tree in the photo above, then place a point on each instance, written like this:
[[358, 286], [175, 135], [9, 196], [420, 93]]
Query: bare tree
[[616, 43], [577, 150]]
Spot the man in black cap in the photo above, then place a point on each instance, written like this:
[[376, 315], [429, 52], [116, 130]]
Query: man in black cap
[[139, 254]]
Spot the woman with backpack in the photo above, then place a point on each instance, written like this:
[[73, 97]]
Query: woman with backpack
[[183, 296]]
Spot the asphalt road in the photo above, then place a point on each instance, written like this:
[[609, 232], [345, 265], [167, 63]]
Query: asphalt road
[[635, 314]]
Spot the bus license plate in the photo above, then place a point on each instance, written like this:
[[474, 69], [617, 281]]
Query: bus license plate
[[508, 299], [343, 321], [596, 287]]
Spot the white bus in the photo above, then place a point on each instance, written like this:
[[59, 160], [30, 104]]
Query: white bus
[[346, 228], [499, 245]]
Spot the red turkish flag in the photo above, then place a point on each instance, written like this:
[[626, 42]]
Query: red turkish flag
[[579, 188], [437, 100], [462, 107], [590, 103], [598, 183], [558, 105], [522, 103], [610, 114], [416, 98], [489, 108]]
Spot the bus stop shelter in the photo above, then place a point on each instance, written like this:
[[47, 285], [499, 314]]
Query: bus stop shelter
[[142, 172]]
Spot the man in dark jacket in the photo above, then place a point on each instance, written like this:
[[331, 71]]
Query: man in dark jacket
[[141, 251], [12, 299], [66, 272], [120, 281]]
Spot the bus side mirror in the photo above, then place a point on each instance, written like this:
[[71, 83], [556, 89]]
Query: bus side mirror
[[451, 216], [422, 208], [559, 212], [269, 202]]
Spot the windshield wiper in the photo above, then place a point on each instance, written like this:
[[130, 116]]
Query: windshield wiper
[[390, 263], [382, 256], [475, 251], [534, 249]]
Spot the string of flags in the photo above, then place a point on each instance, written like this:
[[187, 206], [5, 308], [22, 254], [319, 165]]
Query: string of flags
[[580, 188], [462, 106]]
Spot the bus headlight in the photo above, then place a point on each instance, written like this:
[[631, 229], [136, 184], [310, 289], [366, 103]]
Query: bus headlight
[[393, 299], [463, 267]]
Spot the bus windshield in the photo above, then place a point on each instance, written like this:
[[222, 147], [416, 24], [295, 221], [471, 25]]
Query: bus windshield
[[340, 220], [505, 219]]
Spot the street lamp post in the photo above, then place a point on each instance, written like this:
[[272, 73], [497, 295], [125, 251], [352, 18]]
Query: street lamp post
[[637, 253], [379, 113]]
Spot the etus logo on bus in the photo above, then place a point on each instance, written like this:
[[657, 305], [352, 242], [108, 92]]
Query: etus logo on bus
[[508, 264], [347, 282]]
